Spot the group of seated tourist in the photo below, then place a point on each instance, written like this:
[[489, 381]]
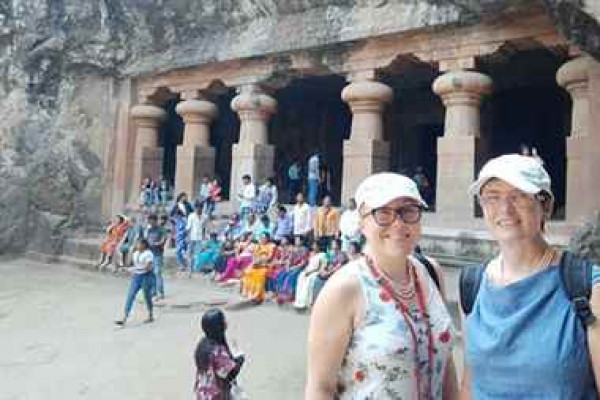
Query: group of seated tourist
[[287, 270]]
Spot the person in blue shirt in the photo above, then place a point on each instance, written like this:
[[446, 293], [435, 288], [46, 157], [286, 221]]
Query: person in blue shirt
[[283, 226], [206, 259], [523, 337]]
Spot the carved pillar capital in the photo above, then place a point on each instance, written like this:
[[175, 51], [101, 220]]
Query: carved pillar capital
[[197, 116], [367, 96], [197, 111], [367, 100], [254, 109], [573, 76], [462, 88], [148, 115], [253, 103]]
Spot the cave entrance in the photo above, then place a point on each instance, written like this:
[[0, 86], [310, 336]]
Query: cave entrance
[[528, 108], [413, 123], [311, 116]]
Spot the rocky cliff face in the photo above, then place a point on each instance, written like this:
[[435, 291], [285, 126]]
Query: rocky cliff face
[[60, 62]]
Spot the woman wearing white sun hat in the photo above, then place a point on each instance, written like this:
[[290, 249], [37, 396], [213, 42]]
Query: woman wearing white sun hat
[[523, 336], [380, 329]]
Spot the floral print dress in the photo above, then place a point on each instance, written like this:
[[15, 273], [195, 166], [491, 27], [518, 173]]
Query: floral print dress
[[380, 362], [212, 384]]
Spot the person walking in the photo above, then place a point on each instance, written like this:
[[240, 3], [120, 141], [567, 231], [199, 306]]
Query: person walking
[[216, 367], [142, 279], [526, 335], [156, 236], [379, 328], [195, 229]]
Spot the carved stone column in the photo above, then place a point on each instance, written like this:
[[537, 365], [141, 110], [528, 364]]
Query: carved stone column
[[365, 152], [195, 158], [461, 91], [148, 159], [252, 154], [573, 76]]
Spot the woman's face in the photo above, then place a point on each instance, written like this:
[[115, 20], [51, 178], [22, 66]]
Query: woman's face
[[399, 238], [509, 213], [263, 239]]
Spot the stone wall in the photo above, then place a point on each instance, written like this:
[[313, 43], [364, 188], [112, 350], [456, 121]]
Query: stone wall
[[63, 62]]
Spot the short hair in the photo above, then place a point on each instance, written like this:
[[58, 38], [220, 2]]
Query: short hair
[[152, 217], [144, 243], [282, 208], [246, 176]]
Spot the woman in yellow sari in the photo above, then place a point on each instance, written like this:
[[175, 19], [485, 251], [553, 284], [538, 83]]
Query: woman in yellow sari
[[255, 276]]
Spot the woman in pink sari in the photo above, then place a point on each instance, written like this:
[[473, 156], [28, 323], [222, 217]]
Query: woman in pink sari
[[242, 259]]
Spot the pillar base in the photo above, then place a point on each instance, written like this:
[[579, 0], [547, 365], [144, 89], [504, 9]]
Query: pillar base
[[361, 159], [253, 159], [193, 163], [455, 173]]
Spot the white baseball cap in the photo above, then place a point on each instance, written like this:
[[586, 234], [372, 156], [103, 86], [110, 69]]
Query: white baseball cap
[[525, 173], [379, 189]]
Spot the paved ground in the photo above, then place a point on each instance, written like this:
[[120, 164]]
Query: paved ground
[[58, 341]]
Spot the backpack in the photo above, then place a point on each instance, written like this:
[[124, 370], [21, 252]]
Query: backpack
[[575, 274], [430, 269]]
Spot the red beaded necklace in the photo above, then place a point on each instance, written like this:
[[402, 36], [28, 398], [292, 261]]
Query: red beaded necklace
[[386, 285]]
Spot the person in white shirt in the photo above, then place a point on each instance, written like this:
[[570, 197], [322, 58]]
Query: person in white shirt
[[196, 222], [246, 196], [350, 225], [267, 197], [301, 214], [142, 278]]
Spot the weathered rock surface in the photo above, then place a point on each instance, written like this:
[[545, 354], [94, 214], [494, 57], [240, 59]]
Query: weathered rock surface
[[586, 240], [61, 61]]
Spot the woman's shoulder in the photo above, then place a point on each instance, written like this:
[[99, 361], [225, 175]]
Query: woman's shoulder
[[347, 278]]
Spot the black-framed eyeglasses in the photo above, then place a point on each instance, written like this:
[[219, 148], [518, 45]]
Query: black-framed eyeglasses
[[386, 216]]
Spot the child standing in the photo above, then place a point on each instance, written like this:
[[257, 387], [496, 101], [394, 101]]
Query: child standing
[[142, 278], [216, 367]]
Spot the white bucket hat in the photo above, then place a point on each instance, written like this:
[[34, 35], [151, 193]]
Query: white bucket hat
[[525, 173], [379, 189]]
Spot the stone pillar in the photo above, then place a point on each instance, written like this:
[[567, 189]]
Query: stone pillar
[[365, 152], [148, 159], [461, 91], [195, 158], [252, 154], [573, 76]]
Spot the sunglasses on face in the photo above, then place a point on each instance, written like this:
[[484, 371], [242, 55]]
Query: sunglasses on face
[[386, 216]]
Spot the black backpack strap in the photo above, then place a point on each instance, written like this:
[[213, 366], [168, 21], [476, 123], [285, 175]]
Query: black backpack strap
[[470, 280], [430, 268], [576, 276]]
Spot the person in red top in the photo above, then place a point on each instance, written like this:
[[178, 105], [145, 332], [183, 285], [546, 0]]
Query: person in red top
[[214, 196]]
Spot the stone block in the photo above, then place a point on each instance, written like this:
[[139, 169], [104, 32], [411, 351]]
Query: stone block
[[253, 159], [456, 171], [361, 159], [192, 164]]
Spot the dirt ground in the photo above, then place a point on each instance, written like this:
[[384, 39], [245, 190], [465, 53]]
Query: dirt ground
[[58, 340]]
